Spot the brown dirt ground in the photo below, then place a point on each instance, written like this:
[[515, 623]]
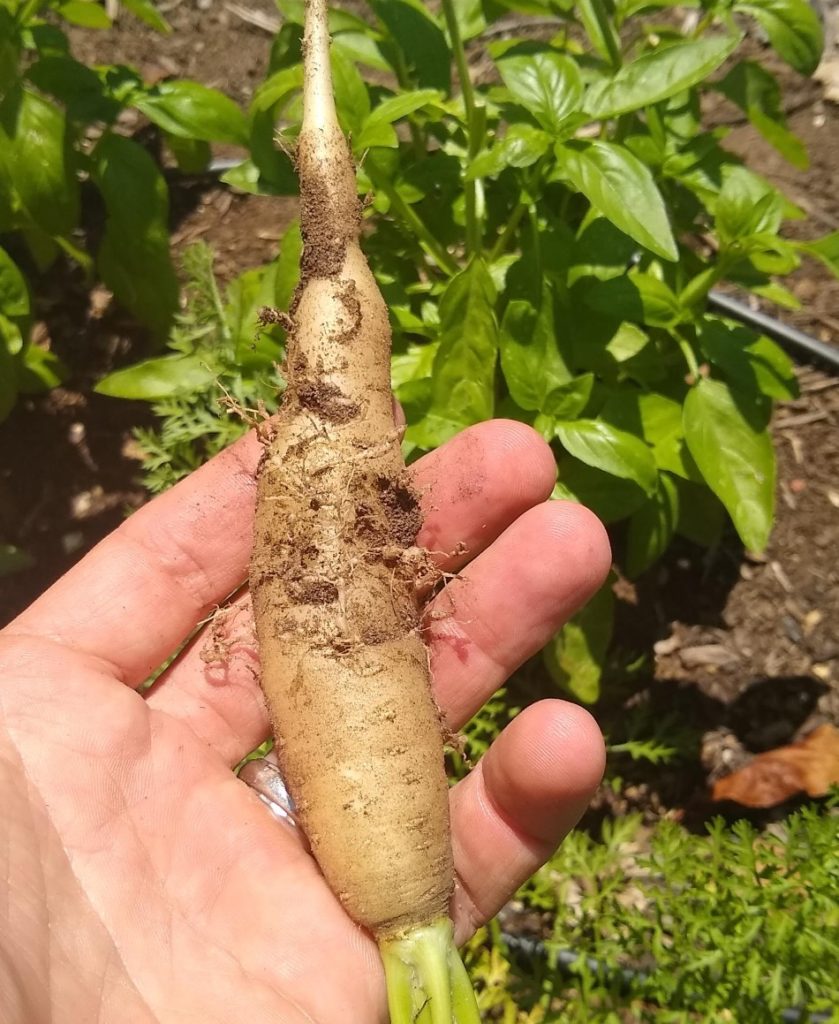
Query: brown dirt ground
[[746, 649]]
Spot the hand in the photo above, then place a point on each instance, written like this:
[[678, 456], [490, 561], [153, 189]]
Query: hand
[[145, 881]]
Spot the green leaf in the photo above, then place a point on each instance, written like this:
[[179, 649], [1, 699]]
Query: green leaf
[[9, 51], [14, 295], [377, 129], [651, 528], [728, 439], [793, 28], [360, 48], [568, 400], [81, 90], [622, 189], [86, 13], [193, 155], [751, 361], [156, 379], [420, 39], [600, 250], [133, 257], [757, 93], [148, 13], [8, 378], [702, 515], [35, 156], [609, 497], [254, 348], [656, 418], [602, 446], [470, 18], [636, 296], [547, 84], [522, 146], [288, 265], [12, 559], [278, 87], [351, 96], [627, 342], [415, 363], [269, 170], [657, 76], [39, 370], [463, 382], [594, 15], [747, 204], [193, 111], [825, 249], [530, 357], [577, 653]]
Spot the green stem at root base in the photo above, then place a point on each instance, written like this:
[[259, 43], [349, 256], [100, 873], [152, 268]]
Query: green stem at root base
[[426, 980]]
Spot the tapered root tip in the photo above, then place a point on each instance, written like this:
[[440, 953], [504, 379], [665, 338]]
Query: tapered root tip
[[426, 980]]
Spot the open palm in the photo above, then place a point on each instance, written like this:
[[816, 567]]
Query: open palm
[[143, 881]]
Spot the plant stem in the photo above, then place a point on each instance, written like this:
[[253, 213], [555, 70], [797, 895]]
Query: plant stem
[[410, 218], [689, 354], [508, 232], [426, 980], [473, 128]]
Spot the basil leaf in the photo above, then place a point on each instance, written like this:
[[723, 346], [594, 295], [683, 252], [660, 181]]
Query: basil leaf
[[793, 28], [530, 358], [38, 370], [637, 296], [463, 380], [657, 75], [727, 437], [825, 249], [36, 159], [622, 189], [746, 205], [602, 446], [751, 361], [156, 379], [651, 528], [193, 111], [575, 656], [567, 401], [420, 39], [377, 129], [546, 83], [85, 13], [14, 295], [611, 498], [522, 146], [757, 93], [146, 12], [134, 258]]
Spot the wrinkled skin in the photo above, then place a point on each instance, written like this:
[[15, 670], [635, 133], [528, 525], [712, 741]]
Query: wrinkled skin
[[141, 880]]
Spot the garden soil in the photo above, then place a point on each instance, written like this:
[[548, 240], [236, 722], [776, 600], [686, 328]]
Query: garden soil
[[735, 653]]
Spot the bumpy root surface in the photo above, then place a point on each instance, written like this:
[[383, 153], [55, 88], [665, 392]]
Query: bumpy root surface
[[333, 573]]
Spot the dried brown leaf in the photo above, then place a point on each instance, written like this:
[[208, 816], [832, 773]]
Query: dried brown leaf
[[809, 766]]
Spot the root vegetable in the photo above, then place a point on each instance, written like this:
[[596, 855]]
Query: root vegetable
[[333, 577]]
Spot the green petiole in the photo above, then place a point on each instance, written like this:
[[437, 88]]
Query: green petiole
[[426, 980]]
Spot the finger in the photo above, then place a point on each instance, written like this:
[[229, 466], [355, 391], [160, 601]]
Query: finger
[[506, 605], [502, 610], [135, 597], [512, 811]]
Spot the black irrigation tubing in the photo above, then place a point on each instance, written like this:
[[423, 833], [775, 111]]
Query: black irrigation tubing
[[787, 336], [784, 334], [565, 959]]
